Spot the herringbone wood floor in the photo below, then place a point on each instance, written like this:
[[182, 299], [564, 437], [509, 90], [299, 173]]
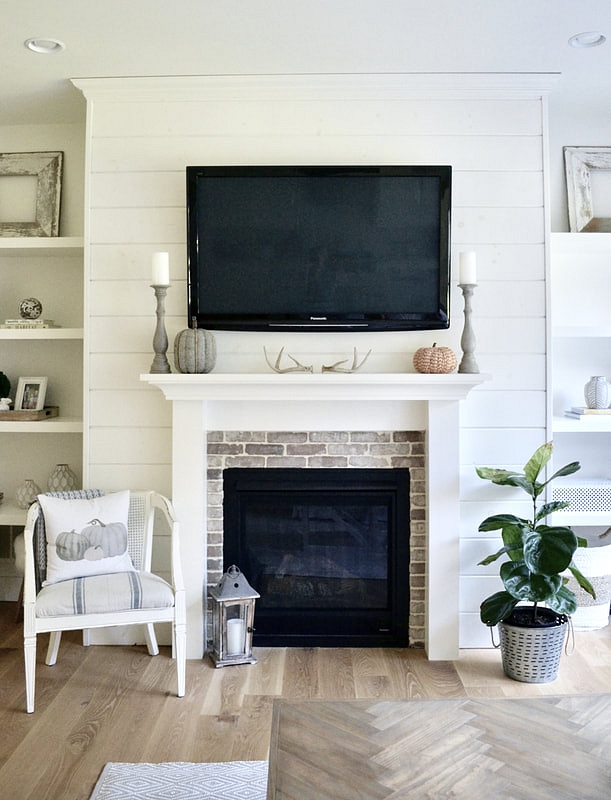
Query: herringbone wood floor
[[105, 704], [453, 748]]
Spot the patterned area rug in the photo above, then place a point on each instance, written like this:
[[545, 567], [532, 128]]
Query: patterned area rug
[[232, 780]]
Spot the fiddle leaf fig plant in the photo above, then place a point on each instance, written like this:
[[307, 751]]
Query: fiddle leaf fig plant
[[538, 554]]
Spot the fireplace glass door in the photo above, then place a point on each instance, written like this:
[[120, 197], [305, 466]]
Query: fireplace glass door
[[328, 551]]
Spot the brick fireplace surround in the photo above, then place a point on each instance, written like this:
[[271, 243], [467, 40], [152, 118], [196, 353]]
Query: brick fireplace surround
[[377, 402], [317, 450]]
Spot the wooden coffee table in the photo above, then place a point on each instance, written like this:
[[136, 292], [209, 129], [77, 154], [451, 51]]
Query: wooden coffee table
[[545, 747]]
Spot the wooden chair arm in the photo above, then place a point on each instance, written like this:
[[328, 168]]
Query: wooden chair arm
[[167, 510], [29, 577]]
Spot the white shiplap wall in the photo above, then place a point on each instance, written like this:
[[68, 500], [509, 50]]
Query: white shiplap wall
[[142, 133]]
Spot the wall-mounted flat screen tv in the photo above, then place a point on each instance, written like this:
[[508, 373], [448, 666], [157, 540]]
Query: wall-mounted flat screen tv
[[307, 248]]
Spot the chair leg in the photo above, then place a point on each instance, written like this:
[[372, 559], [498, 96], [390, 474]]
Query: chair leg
[[19, 608], [180, 646], [54, 640], [151, 639], [29, 655], [86, 637]]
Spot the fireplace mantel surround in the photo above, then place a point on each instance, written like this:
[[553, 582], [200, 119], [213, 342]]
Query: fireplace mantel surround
[[333, 401]]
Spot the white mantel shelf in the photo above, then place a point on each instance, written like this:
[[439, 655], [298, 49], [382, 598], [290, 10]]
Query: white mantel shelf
[[251, 397], [308, 386]]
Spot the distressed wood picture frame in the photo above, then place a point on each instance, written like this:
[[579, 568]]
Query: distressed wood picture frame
[[579, 162], [47, 168]]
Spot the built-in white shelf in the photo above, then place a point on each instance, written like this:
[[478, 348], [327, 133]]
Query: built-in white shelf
[[11, 514], [20, 334], [587, 424], [581, 335], [53, 425], [581, 331], [579, 518], [53, 246]]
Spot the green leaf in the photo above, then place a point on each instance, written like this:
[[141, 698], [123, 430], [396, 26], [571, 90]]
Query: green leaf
[[563, 601], [513, 539], [582, 580], [496, 607], [549, 550], [493, 557], [537, 462], [582, 542], [499, 521], [505, 477], [494, 475], [567, 469], [524, 585], [549, 508], [522, 482]]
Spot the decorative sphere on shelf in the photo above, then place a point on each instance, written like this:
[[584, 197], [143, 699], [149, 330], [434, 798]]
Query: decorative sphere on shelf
[[30, 308]]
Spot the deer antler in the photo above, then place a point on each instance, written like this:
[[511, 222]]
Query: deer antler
[[337, 368], [276, 367]]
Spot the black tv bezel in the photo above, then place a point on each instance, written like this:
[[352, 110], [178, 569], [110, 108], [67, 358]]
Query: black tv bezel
[[381, 321]]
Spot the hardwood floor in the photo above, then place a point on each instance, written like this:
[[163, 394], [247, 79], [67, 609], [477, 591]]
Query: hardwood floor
[[103, 704]]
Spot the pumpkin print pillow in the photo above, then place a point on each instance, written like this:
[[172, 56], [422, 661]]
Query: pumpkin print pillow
[[85, 537]]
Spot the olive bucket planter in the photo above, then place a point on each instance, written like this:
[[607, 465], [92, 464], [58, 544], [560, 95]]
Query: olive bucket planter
[[532, 654], [533, 610]]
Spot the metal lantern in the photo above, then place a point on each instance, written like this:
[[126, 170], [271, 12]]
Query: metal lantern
[[233, 614]]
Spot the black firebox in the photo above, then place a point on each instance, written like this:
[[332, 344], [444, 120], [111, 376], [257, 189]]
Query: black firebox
[[328, 551]]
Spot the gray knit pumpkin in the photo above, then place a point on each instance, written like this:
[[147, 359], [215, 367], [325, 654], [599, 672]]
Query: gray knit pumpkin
[[194, 350]]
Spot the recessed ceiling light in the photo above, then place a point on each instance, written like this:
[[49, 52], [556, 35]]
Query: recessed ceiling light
[[44, 45], [588, 39]]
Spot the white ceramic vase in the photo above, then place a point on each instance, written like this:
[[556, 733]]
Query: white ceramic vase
[[62, 479], [27, 493], [596, 392]]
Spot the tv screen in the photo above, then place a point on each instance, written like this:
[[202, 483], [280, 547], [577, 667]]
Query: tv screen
[[319, 248]]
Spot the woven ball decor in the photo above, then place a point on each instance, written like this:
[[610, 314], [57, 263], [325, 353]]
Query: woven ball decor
[[435, 359]]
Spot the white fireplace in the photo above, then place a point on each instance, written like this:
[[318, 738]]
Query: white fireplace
[[297, 401]]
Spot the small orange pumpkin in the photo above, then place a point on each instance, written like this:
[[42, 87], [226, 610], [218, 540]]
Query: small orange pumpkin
[[435, 359]]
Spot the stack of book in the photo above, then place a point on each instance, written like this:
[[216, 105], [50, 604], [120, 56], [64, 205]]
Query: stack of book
[[580, 412], [29, 323]]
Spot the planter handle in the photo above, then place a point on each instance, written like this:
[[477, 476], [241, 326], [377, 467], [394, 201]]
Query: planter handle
[[570, 634], [494, 644]]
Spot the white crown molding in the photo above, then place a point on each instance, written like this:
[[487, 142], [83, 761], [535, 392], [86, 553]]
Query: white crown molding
[[386, 86]]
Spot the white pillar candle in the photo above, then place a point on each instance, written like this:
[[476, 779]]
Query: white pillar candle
[[161, 269], [235, 637], [467, 268]]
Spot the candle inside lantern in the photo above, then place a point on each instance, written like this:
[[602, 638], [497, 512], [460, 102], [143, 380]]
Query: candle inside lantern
[[467, 268], [161, 269], [235, 637]]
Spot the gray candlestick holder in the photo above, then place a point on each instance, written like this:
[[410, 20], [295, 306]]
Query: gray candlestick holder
[[160, 339], [468, 363]]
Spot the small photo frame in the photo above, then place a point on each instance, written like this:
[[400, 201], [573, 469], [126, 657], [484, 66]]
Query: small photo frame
[[31, 394], [34, 180]]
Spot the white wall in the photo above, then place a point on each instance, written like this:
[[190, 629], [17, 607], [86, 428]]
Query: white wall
[[142, 134], [141, 197]]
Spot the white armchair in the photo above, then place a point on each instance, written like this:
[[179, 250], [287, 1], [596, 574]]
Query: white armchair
[[98, 601]]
